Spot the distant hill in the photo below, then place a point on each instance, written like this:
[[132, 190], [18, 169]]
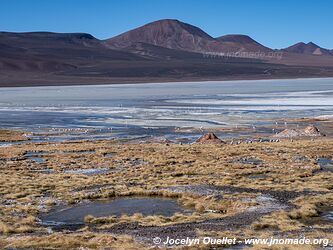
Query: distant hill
[[46, 51], [307, 48], [242, 43]]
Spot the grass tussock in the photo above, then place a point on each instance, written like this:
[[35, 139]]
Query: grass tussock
[[153, 220], [7, 135], [74, 241]]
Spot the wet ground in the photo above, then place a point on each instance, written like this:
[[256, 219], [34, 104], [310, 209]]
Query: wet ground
[[268, 202]]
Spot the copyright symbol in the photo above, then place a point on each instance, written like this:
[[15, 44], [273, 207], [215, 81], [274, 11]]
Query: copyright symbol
[[157, 240]]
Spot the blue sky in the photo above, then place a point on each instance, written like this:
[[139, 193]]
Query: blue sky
[[275, 23]]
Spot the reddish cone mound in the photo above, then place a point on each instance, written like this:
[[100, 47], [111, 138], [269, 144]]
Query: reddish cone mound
[[209, 138]]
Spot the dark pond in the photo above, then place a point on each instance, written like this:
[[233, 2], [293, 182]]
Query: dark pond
[[35, 156], [257, 176], [85, 152], [91, 171], [74, 215], [329, 216], [248, 160], [325, 164]]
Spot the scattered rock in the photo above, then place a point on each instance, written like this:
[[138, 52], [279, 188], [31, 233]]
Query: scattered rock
[[309, 131], [209, 138]]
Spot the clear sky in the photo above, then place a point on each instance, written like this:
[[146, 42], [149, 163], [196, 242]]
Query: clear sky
[[275, 23]]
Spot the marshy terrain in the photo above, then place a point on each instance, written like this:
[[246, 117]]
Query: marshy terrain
[[122, 194], [115, 166]]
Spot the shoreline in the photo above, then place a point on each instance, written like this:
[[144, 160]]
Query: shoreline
[[154, 82]]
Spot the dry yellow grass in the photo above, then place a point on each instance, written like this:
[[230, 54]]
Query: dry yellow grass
[[149, 170], [12, 135]]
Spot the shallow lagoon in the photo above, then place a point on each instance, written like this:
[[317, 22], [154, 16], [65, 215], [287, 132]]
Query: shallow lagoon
[[132, 110]]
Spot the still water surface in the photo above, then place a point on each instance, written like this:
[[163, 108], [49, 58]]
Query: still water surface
[[158, 109]]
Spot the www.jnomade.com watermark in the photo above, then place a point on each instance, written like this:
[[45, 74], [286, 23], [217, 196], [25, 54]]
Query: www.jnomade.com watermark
[[233, 241], [244, 54]]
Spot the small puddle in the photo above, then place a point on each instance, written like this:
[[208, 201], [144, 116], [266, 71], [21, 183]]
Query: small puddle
[[32, 153], [248, 160], [136, 162], [257, 176], [68, 217], [44, 171], [35, 156], [84, 152], [328, 216], [325, 164], [300, 158], [37, 159], [109, 155], [91, 171]]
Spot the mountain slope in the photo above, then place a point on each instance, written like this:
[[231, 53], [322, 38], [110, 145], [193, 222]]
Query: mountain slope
[[46, 51], [156, 52], [168, 33], [242, 43]]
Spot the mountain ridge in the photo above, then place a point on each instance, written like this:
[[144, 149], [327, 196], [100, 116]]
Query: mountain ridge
[[168, 50]]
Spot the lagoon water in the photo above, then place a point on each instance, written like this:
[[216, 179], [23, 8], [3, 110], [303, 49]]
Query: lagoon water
[[158, 108]]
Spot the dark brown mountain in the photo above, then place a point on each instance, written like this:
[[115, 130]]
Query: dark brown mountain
[[168, 33], [45, 51], [307, 48], [173, 34], [242, 43], [166, 50]]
